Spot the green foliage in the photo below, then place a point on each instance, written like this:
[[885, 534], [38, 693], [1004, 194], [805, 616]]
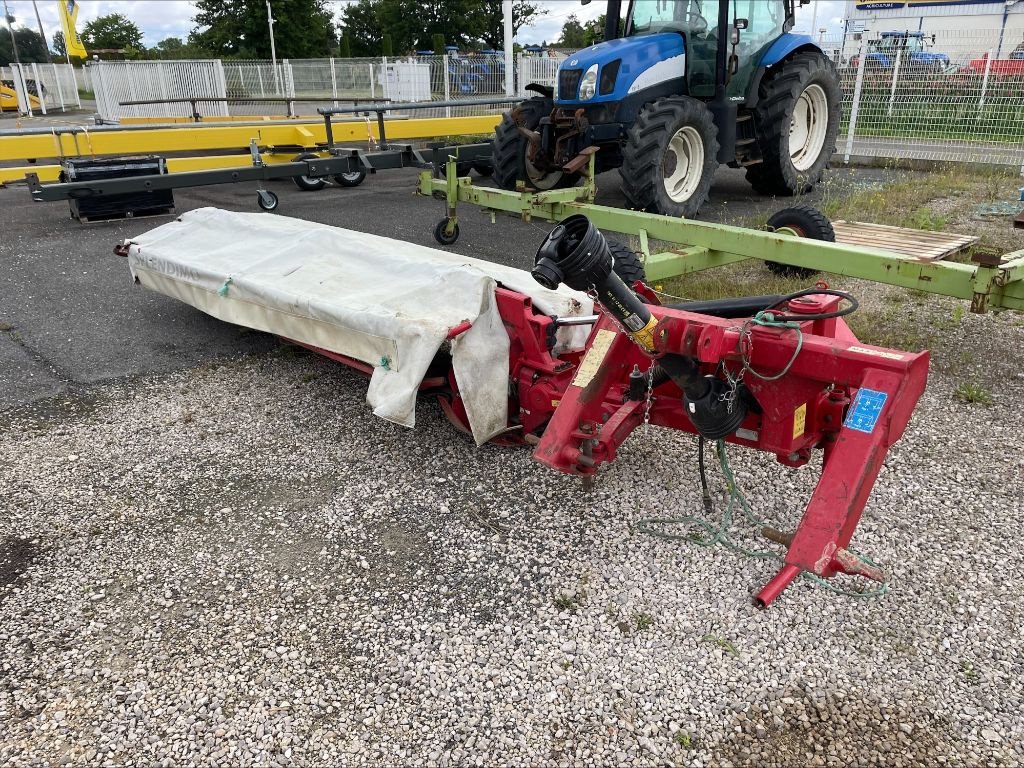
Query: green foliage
[[968, 392], [438, 44], [345, 48], [412, 25], [30, 47], [239, 28], [59, 47], [113, 31], [386, 46], [176, 48], [577, 34], [683, 739]]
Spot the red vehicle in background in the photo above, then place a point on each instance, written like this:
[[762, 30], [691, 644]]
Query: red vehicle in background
[[1011, 67]]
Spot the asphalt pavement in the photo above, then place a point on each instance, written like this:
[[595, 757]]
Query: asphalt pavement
[[70, 316]]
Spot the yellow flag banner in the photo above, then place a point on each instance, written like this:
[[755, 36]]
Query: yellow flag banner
[[68, 16]]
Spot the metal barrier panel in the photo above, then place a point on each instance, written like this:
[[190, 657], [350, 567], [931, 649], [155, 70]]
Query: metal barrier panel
[[944, 94], [117, 81]]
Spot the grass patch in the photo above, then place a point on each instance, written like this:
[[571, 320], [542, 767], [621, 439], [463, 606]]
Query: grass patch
[[744, 279], [723, 643], [968, 392], [683, 738], [903, 203], [642, 621]]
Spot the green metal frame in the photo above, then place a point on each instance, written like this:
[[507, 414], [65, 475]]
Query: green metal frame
[[702, 245]]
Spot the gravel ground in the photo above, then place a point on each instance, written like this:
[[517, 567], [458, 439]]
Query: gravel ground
[[236, 564]]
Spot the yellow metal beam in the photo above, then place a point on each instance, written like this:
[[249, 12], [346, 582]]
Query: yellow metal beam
[[206, 138], [51, 173]]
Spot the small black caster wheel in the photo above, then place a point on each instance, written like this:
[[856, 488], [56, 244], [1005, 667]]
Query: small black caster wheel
[[353, 179], [444, 235], [308, 183], [266, 200]]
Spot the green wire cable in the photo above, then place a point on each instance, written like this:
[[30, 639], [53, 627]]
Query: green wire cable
[[718, 534]]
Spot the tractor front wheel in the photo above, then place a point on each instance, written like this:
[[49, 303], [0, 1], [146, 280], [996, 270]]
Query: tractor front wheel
[[513, 157], [670, 157], [796, 121]]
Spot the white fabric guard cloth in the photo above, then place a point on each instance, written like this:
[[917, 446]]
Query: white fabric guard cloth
[[385, 302]]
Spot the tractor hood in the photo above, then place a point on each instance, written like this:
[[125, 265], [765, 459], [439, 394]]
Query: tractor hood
[[623, 66]]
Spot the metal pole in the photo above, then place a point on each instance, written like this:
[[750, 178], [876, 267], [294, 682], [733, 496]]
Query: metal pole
[[273, 48], [895, 76], [40, 88], [42, 34], [447, 84], [506, 10], [984, 81], [14, 42], [814, 17], [856, 98]]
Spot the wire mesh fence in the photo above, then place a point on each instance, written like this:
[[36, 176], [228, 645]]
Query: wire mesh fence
[[42, 88], [947, 95], [955, 94]]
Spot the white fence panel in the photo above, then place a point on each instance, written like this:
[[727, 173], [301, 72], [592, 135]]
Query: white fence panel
[[119, 81]]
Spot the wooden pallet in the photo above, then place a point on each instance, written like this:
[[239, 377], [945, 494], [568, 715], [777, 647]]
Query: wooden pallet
[[913, 243]]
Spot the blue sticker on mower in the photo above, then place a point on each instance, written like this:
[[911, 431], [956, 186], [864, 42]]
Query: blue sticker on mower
[[867, 407]]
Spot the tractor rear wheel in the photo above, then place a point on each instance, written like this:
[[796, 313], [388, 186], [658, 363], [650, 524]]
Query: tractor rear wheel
[[670, 157], [512, 154], [796, 121]]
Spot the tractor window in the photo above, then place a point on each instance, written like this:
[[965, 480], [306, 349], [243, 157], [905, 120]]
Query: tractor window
[[648, 17]]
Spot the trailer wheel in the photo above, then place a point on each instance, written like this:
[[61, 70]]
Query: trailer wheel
[[444, 235], [796, 122], [266, 200], [510, 151], [308, 183], [627, 263], [353, 179], [670, 157], [802, 221]]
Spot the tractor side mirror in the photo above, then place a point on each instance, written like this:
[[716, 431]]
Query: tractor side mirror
[[933, 38], [741, 23]]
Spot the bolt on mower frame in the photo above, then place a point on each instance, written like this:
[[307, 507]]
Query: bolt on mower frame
[[988, 283]]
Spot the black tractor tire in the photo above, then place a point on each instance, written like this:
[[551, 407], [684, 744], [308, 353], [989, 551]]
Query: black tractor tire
[[648, 158], [806, 222], [773, 120], [508, 150], [627, 264]]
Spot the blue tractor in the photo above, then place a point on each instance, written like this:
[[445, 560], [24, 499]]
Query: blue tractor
[[679, 88], [911, 47]]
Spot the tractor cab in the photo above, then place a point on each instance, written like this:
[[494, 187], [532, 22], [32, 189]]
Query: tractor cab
[[675, 89]]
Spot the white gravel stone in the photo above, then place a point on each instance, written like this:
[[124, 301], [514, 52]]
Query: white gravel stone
[[286, 580]]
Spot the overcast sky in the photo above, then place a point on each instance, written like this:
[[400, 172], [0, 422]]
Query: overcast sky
[[159, 19]]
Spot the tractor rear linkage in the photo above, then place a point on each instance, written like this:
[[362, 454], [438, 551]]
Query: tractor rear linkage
[[782, 388]]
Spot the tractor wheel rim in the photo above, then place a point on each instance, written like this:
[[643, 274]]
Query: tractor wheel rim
[[683, 164], [808, 127], [538, 179], [351, 176]]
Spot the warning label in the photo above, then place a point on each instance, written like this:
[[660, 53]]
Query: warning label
[[866, 410]]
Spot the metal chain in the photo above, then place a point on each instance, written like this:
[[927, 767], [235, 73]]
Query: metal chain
[[648, 399]]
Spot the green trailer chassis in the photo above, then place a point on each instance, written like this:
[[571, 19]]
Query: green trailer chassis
[[988, 283]]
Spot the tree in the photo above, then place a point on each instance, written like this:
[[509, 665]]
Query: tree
[[412, 24], [176, 48], [30, 47], [345, 48], [574, 35], [580, 35], [226, 28], [114, 30], [58, 44]]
